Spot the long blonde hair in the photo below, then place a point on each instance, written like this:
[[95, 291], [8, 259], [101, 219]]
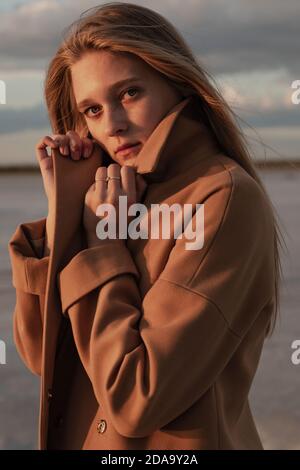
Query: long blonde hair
[[126, 27]]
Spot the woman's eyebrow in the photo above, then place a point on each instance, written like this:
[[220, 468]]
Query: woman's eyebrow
[[118, 84]]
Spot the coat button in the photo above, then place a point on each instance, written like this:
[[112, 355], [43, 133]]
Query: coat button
[[50, 394], [101, 427]]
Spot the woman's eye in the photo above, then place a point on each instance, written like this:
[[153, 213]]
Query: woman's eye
[[93, 111], [92, 108], [131, 89]]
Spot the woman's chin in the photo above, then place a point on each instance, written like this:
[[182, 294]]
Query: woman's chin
[[129, 159], [128, 162]]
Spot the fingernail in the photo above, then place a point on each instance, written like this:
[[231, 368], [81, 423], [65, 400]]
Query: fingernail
[[86, 153], [73, 145]]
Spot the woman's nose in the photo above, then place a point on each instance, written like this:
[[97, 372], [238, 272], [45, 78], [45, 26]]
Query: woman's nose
[[115, 122]]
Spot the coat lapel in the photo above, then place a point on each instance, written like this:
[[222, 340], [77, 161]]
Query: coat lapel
[[72, 180]]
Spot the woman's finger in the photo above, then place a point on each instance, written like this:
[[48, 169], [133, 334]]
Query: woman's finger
[[100, 183], [63, 141], [75, 144], [41, 150], [114, 181], [128, 175], [87, 147]]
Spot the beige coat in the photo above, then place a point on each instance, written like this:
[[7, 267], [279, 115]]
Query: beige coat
[[149, 345]]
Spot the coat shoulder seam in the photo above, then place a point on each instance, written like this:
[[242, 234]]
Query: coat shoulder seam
[[218, 229], [208, 299]]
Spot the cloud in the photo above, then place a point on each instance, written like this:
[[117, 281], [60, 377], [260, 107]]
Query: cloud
[[234, 35], [262, 90], [248, 46], [226, 35], [31, 33]]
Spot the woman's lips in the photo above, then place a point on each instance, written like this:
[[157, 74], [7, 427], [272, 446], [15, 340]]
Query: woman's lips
[[128, 150]]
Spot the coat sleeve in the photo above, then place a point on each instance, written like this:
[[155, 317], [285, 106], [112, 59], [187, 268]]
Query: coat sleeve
[[150, 359], [29, 278]]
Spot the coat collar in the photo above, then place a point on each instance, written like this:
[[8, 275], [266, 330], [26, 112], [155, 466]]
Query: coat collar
[[179, 141]]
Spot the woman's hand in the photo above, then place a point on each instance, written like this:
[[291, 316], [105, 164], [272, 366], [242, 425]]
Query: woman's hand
[[70, 145], [130, 184]]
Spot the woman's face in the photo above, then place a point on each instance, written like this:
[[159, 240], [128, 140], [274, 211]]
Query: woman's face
[[120, 113]]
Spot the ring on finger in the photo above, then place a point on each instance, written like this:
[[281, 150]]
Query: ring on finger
[[113, 178]]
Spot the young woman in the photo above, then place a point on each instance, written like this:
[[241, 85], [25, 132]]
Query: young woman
[[143, 342]]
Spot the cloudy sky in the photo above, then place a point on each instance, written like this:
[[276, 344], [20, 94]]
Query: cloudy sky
[[249, 47]]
